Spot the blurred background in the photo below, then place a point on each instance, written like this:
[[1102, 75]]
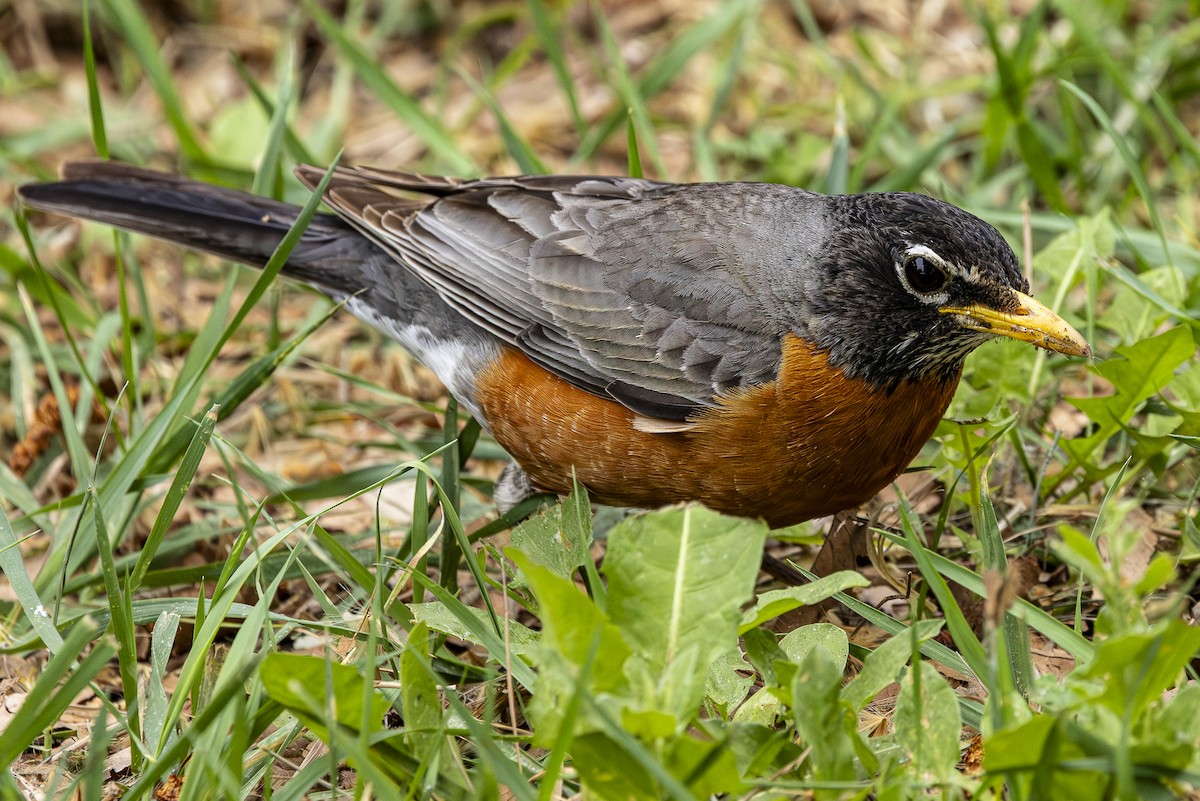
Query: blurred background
[[967, 100], [1070, 124]]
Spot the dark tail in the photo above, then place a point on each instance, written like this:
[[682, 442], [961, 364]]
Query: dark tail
[[228, 223], [331, 255]]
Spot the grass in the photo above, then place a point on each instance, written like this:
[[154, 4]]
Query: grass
[[249, 551]]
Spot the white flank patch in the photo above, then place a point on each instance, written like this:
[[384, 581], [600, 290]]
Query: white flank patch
[[443, 357]]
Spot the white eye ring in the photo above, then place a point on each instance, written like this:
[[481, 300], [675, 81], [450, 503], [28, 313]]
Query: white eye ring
[[918, 254]]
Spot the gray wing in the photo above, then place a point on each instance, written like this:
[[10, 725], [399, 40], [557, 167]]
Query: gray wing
[[629, 288]]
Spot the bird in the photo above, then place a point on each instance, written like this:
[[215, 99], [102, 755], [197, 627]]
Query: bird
[[767, 351]]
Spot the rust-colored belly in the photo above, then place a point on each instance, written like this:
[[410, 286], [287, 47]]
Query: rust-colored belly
[[809, 444]]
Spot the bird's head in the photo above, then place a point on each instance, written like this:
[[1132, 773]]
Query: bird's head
[[910, 285]]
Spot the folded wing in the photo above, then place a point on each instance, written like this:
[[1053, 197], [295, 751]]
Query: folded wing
[[624, 287]]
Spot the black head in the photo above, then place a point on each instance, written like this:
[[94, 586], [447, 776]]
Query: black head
[[910, 285]]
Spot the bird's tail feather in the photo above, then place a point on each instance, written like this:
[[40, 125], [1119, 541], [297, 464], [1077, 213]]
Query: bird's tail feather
[[225, 222], [331, 255]]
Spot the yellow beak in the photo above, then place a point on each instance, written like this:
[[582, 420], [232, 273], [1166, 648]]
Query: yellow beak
[[1031, 322]]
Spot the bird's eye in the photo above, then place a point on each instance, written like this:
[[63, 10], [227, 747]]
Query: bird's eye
[[923, 275]]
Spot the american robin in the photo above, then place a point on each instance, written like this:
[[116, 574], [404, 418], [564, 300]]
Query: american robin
[[768, 351]]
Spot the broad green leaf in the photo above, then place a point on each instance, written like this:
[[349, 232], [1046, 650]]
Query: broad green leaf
[[1180, 718], [1160, 571], [677, 580], [707, 768], [794, 648], [762, 708], [883, 665], [826, 724], [1019, 747], [437, 616], [559, 537], [763, 652], [420, 700], [1137, 372], [570, 620], [237, 132], [728, 680], [1133, 316], [581, 651], [928, 724], [773, 603], [1077, 549], [761, 750], [1034, 748], [1136, 668], [314, 688], [608, 770], [797, 644], [650, 725], [328, 698]]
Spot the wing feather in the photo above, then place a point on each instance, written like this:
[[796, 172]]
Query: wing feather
[[633, 289]]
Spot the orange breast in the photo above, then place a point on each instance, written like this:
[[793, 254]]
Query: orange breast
[[809, 444]]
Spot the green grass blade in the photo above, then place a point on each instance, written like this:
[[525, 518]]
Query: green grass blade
[[1182, 136], [297, 148], [179, 747], [384, 89], [488, 636], [271, 269], [95, 109], [191, 672], [419, 536], [121, 621], [452, 551], [81, 461], [908, 174], [184, 475], [1055, 630], [58, 683], [236, 393], [13, 566], [130, 21], [968, 644], [726, 77], [1131, 163], [836, 180], [662, 70], [631, 95], [268, 178], [517, 146], [162, 642], [550, 34], [128, 340], [631, 142]]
